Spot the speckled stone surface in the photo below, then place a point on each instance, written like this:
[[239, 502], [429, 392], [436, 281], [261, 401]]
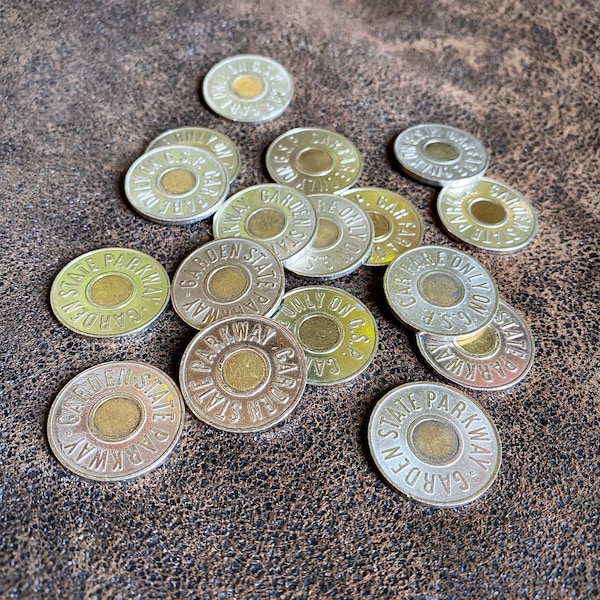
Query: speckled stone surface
[[299, 511]]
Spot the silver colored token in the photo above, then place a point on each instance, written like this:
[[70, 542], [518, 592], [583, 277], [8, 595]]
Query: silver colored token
[[434, 444], [441, 291], [231, 276], [248, 88], [440, 155], [116, 421], [495, 358], [343, 243], [176, 184]]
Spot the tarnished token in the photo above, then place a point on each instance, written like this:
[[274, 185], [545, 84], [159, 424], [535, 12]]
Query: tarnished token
[[434, 444], [218, 144], [487, 214], [343, 243], [397, 224], [243, 374], [316, 161], [176, 184], [227, 277], [116, 421], [248, 88], [440, 290], [494, 358], [110, 292], [336, 330], [280, 217], [440, 155]]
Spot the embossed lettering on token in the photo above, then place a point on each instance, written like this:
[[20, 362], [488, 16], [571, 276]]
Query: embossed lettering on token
[[232, 276], [116, 421], [440, 155], [176, 184], [110, 292], [243, 374], [248, 88], [434, 444], [336, 330], [316, 161]]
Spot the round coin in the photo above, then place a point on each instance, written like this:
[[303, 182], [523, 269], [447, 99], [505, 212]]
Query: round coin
[[248, 88], [440, 290], [434, 444], [440, 155], [227, 277], [176, 184], [316, 161], [336, 330], [243, 374], [110, 292], [116, 421], [396, 222]]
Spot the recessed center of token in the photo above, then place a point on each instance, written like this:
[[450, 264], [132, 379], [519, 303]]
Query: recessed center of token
[[434, 441], [320, 333], [117, 418], [228, 283], [481, 343], [441, 289], [488, 212], [441, 151], [111, 290], [314, 161], [247, 87], [177, 181], [327, 233], [266, 223], [244, 370], [381, 224]]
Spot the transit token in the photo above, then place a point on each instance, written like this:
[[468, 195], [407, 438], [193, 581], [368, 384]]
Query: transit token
[[248, 88], [440, 155], [176, 184], [343, 243], [397, 224], [110, 292], [440, 290], [226, 277], [243, 374], [116, 421], [494, 358], [434, 444], [316, 161], [336, 330], [487, 214]]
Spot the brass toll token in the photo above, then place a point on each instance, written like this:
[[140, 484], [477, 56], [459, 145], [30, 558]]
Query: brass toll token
[[176, 184], [397, 224], [116, 421], [336, 330], [434, 444], [441, 291], [110, 292], [316, 161], [495, 358], [243, 374], [248, 88], [487, 214], [227, 277]]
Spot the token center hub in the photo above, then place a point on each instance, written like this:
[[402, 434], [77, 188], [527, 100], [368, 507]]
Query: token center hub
[[178, 181], [266, 223], [488, 212], [480, 344], [320, 333], [441, 151], [116, 418], [110, 291], [228, 283], [247, 87], [435, 441], [441, 289], [244, 370], [328, 233], [314, 161]]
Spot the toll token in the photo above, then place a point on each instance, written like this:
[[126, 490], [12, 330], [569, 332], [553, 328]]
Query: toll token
[[116, 421], [110, 292], [434, 444]]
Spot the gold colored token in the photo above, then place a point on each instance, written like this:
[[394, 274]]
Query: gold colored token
[[397, 224], [336, 330], [243, 374], [110, 292], [116, 421]]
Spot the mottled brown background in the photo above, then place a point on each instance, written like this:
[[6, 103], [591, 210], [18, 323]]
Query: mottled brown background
[[299, 511]]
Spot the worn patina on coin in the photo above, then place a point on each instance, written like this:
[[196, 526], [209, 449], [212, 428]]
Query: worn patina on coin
[[440, 290], [316, 161], [336, 330], [434, 444], [243, 374], [116, 421], [110, 292], [440, 155], [487, 214], [248, 88], [495, 358], [221, 278], [176, 184], [397, 224]]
